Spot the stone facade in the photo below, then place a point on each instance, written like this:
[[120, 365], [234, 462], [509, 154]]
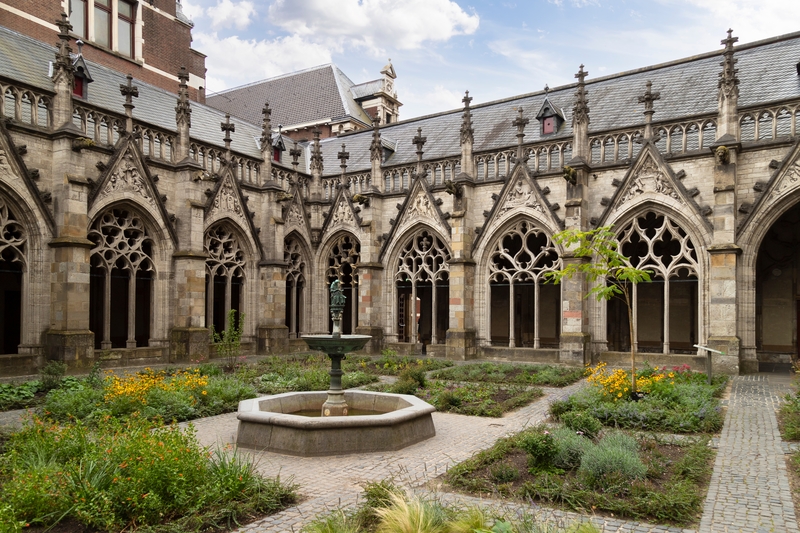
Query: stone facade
[[127, 234]]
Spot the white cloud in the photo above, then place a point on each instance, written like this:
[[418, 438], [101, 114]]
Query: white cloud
[[192, 10], [233, 61], [576, 3], [750, 20], [229, 14], [374, 25]]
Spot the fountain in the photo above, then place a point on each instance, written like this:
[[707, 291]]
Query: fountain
[[275, 423]]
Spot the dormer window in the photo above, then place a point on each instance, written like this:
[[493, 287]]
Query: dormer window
[[82, 78], [276, 154], [550, 117], [79, 87]]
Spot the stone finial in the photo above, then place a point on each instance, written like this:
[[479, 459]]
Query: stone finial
[[183, 111], [295, 153], [520, 124], [63, 49], [419, 141], [343, 157], [647, 99], [580, 112], [316, 153], [375, 148], [728, 82], [266, 126], [129, 91], [227, 128], [467, 131]]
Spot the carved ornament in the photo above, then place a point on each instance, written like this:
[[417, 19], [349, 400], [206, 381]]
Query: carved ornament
[[127, 178]]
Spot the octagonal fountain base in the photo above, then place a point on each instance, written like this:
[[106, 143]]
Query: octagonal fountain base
[[268, 423]]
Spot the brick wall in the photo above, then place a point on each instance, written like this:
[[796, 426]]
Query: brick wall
[[167, 43]]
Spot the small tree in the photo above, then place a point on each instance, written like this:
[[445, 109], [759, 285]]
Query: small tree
[[228, 343], [607, 266]]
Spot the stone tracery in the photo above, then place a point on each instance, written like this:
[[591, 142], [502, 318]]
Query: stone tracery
[[225, 268], [295, 285], [13, 237]]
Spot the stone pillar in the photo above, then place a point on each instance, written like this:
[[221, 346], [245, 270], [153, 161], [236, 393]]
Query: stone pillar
[[461, 333], [69, 338], [273, 335], [370, 290], [189, 338]]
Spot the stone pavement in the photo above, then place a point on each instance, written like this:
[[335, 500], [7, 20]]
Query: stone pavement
[[749, 489]]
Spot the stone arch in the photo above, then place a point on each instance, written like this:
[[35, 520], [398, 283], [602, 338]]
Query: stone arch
[[502, 262], [751, 238], [670, 312], [297, 256], [14, 263], [230, 264], [123, 270], [338, 258]]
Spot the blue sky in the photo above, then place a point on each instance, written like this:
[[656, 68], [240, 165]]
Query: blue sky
[[494, 49]]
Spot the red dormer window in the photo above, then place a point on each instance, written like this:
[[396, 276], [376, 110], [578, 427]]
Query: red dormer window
[[79, 87], [549, 125], [276, 154]]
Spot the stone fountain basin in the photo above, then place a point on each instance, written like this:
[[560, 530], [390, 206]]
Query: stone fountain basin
[[336, 345], [267, 423]]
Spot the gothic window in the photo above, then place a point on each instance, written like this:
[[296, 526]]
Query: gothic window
[[524, 311], [122, 273], [224, 275], [295, 286], [13, 252], [423, 289], [343, 262], [664, 309]]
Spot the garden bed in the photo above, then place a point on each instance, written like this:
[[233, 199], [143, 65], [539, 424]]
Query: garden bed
[[615, 473], [520, 374], [673, 401]]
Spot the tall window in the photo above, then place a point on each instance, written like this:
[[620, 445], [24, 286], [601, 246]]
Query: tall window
[[102, 22], [295, 286], [423, 289], [13, 248], [224, 275], [78, 17], [343, 265], [122, 273], [664, 309], [524, 310], [125, 21]]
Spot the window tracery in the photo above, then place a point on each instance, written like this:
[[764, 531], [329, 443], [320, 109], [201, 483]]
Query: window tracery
[[517, 267], [13, 237], [295, 285], [225, 267], [343, 262]]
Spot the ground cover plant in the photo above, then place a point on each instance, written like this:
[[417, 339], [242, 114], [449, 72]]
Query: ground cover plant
[[521, 374], [386, 508], [163, 394], [275, 375], [390, 364], [130, 474], [672, 401], [789, 415], [616, 472], [475, 399]]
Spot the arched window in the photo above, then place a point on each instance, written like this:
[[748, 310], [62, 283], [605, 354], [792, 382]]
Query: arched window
[[13, 250], [664, 309], [343, 265], [295, 286], [224, 275], [122, 273], [423, 289], [524, 311]]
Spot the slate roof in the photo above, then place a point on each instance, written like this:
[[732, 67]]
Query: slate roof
[[366, 89], [767, 73], [27, 60], [306, 96]]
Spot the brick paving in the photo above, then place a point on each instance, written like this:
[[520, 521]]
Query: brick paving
[[749, 489]]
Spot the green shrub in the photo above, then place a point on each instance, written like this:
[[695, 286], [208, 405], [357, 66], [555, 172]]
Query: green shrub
[[607, 466], [619, 439], [51, 374], [569, 448], [63, 404], [447, 400], [405, 387], [540, 447], [414, 374], [503, 472], [583, 422], [13, 396]]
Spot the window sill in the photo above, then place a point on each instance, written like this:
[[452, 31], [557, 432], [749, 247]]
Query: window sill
[[102, 48]]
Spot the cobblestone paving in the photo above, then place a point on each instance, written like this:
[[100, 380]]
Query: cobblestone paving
[[328, 483], [749, 489]]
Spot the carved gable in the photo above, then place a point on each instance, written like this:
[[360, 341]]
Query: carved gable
[[227, 200], [650, 178], [342, 214], [127, 178], [521, 194]]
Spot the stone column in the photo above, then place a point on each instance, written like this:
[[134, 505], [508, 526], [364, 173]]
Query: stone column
[[272, 332], [69, 338]]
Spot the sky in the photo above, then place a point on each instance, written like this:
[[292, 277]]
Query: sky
[[440, 48]]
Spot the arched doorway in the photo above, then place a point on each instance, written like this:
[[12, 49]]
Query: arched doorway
[[524, 310], [777, 290], [343, 265], [13, 250], [224, 275], [665, 309], [295, 286], [121, 272], [423, 289]]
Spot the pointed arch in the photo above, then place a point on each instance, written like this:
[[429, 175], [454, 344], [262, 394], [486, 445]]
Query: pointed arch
[[297, 256], [229, 259], [14, 252], [122, 270], [521, 310]]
